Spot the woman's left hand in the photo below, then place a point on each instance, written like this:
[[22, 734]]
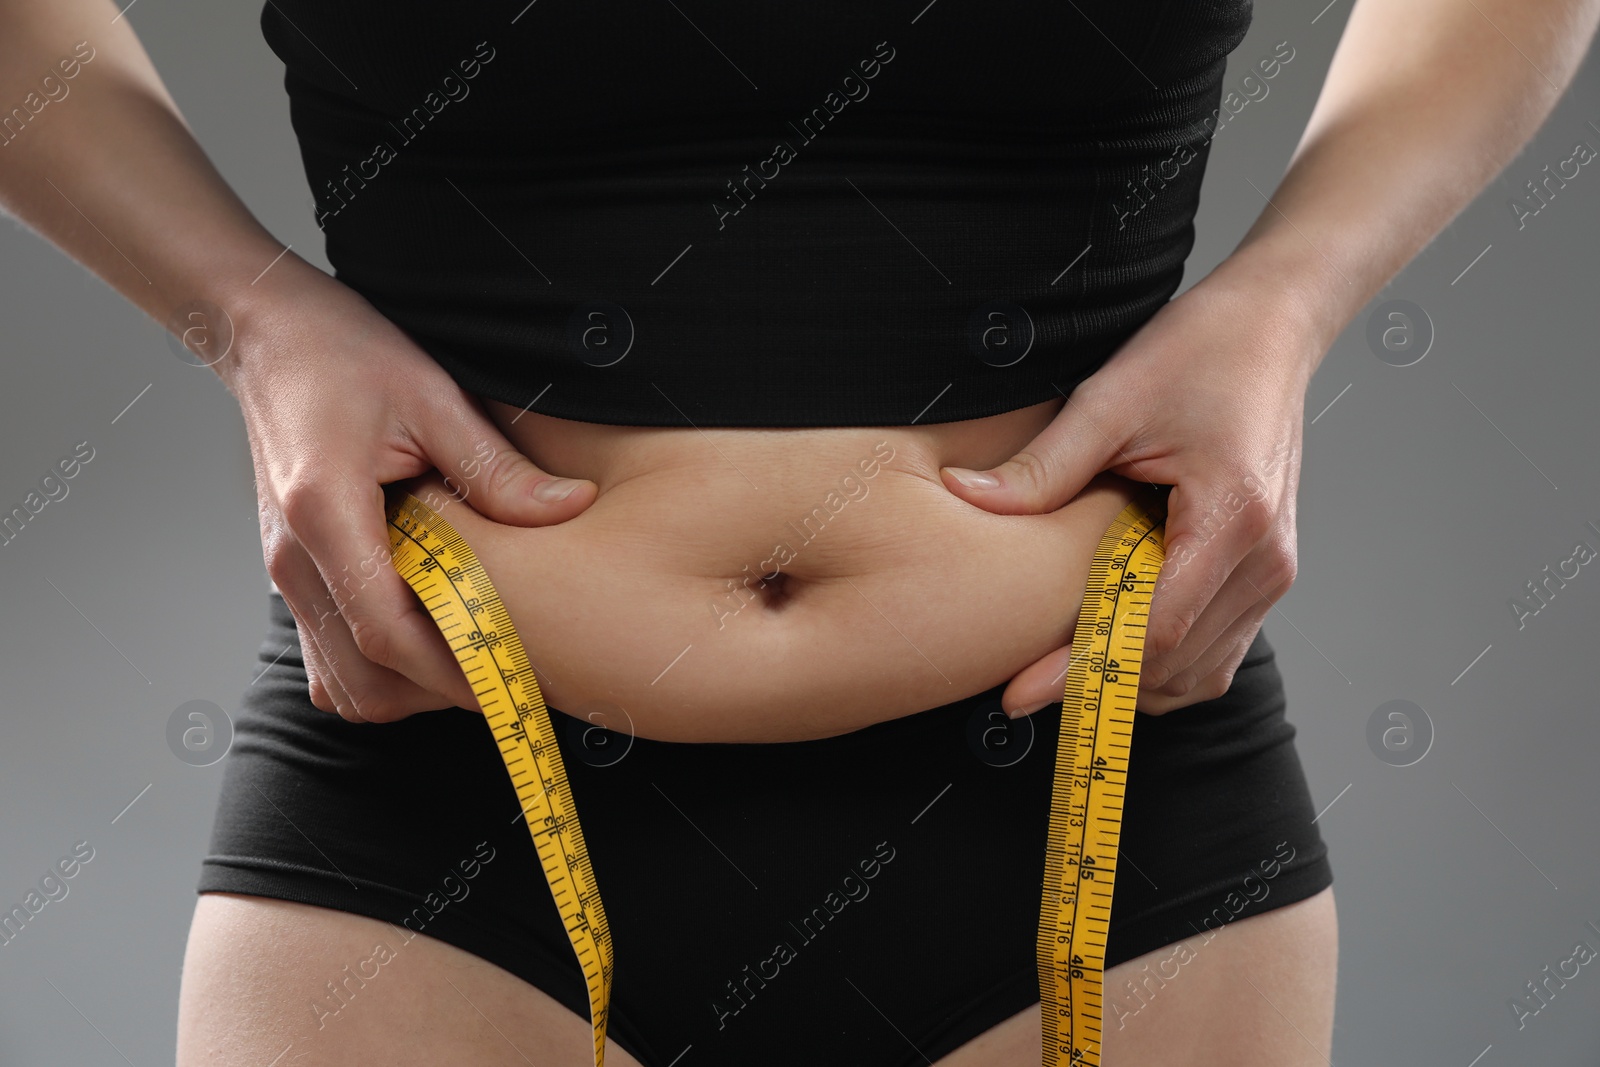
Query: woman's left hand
[[1207, 397]]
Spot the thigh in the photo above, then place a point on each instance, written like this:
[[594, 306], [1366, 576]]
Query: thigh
[[271, 982], [1258, 992]]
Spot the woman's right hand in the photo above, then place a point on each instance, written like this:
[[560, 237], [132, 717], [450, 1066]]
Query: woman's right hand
[[337, 402], [336, 399]]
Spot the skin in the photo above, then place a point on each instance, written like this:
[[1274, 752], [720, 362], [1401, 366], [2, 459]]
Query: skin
[[629, 603], [1399, 142]]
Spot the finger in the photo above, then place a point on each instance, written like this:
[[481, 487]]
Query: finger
[[1253, 587], [1200, 555], [377, 693], [1038, 685], [1223, 658], [1211, 673], [322, 685], [347, 537], [1202, 658], [323, 681], [487, 471], [297, 581], [1081, 441], [1211, 681]]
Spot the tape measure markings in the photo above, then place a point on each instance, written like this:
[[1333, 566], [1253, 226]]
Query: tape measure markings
[[1093, 745], [511, 703], [1090, 778]]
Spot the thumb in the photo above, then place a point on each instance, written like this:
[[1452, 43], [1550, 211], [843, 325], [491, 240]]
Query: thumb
[[1049, 470], [1039, 685], [484, 469]]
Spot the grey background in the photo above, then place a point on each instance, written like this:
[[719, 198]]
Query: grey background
[[1430, 495]]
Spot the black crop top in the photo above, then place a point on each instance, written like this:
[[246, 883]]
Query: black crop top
[[726, 214]]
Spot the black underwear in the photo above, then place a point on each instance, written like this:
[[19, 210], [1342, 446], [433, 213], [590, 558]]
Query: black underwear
[[871, 898]]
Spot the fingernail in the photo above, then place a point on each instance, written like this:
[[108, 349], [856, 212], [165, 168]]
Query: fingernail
[[1029, 709], [555, 489], [973, 479]]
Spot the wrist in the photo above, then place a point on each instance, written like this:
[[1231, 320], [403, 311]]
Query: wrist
[[1286, 279], [244, 305]]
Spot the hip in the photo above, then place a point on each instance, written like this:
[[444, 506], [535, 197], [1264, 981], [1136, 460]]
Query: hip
[[908, 853]]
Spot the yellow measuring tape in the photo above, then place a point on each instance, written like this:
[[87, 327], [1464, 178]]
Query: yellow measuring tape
[[1086, 802], [1091, 775], [454, 587]]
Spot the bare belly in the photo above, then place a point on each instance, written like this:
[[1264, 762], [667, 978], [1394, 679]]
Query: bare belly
[[759, 585]]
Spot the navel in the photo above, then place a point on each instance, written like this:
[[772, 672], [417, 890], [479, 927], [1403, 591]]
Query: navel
[[749, 594]]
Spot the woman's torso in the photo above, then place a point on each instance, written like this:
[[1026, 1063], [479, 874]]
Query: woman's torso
[[828, 224], [855, 214], [770, 585]]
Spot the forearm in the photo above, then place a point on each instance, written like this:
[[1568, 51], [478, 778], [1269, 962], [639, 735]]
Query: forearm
[[108, 170], [1424, 103]]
